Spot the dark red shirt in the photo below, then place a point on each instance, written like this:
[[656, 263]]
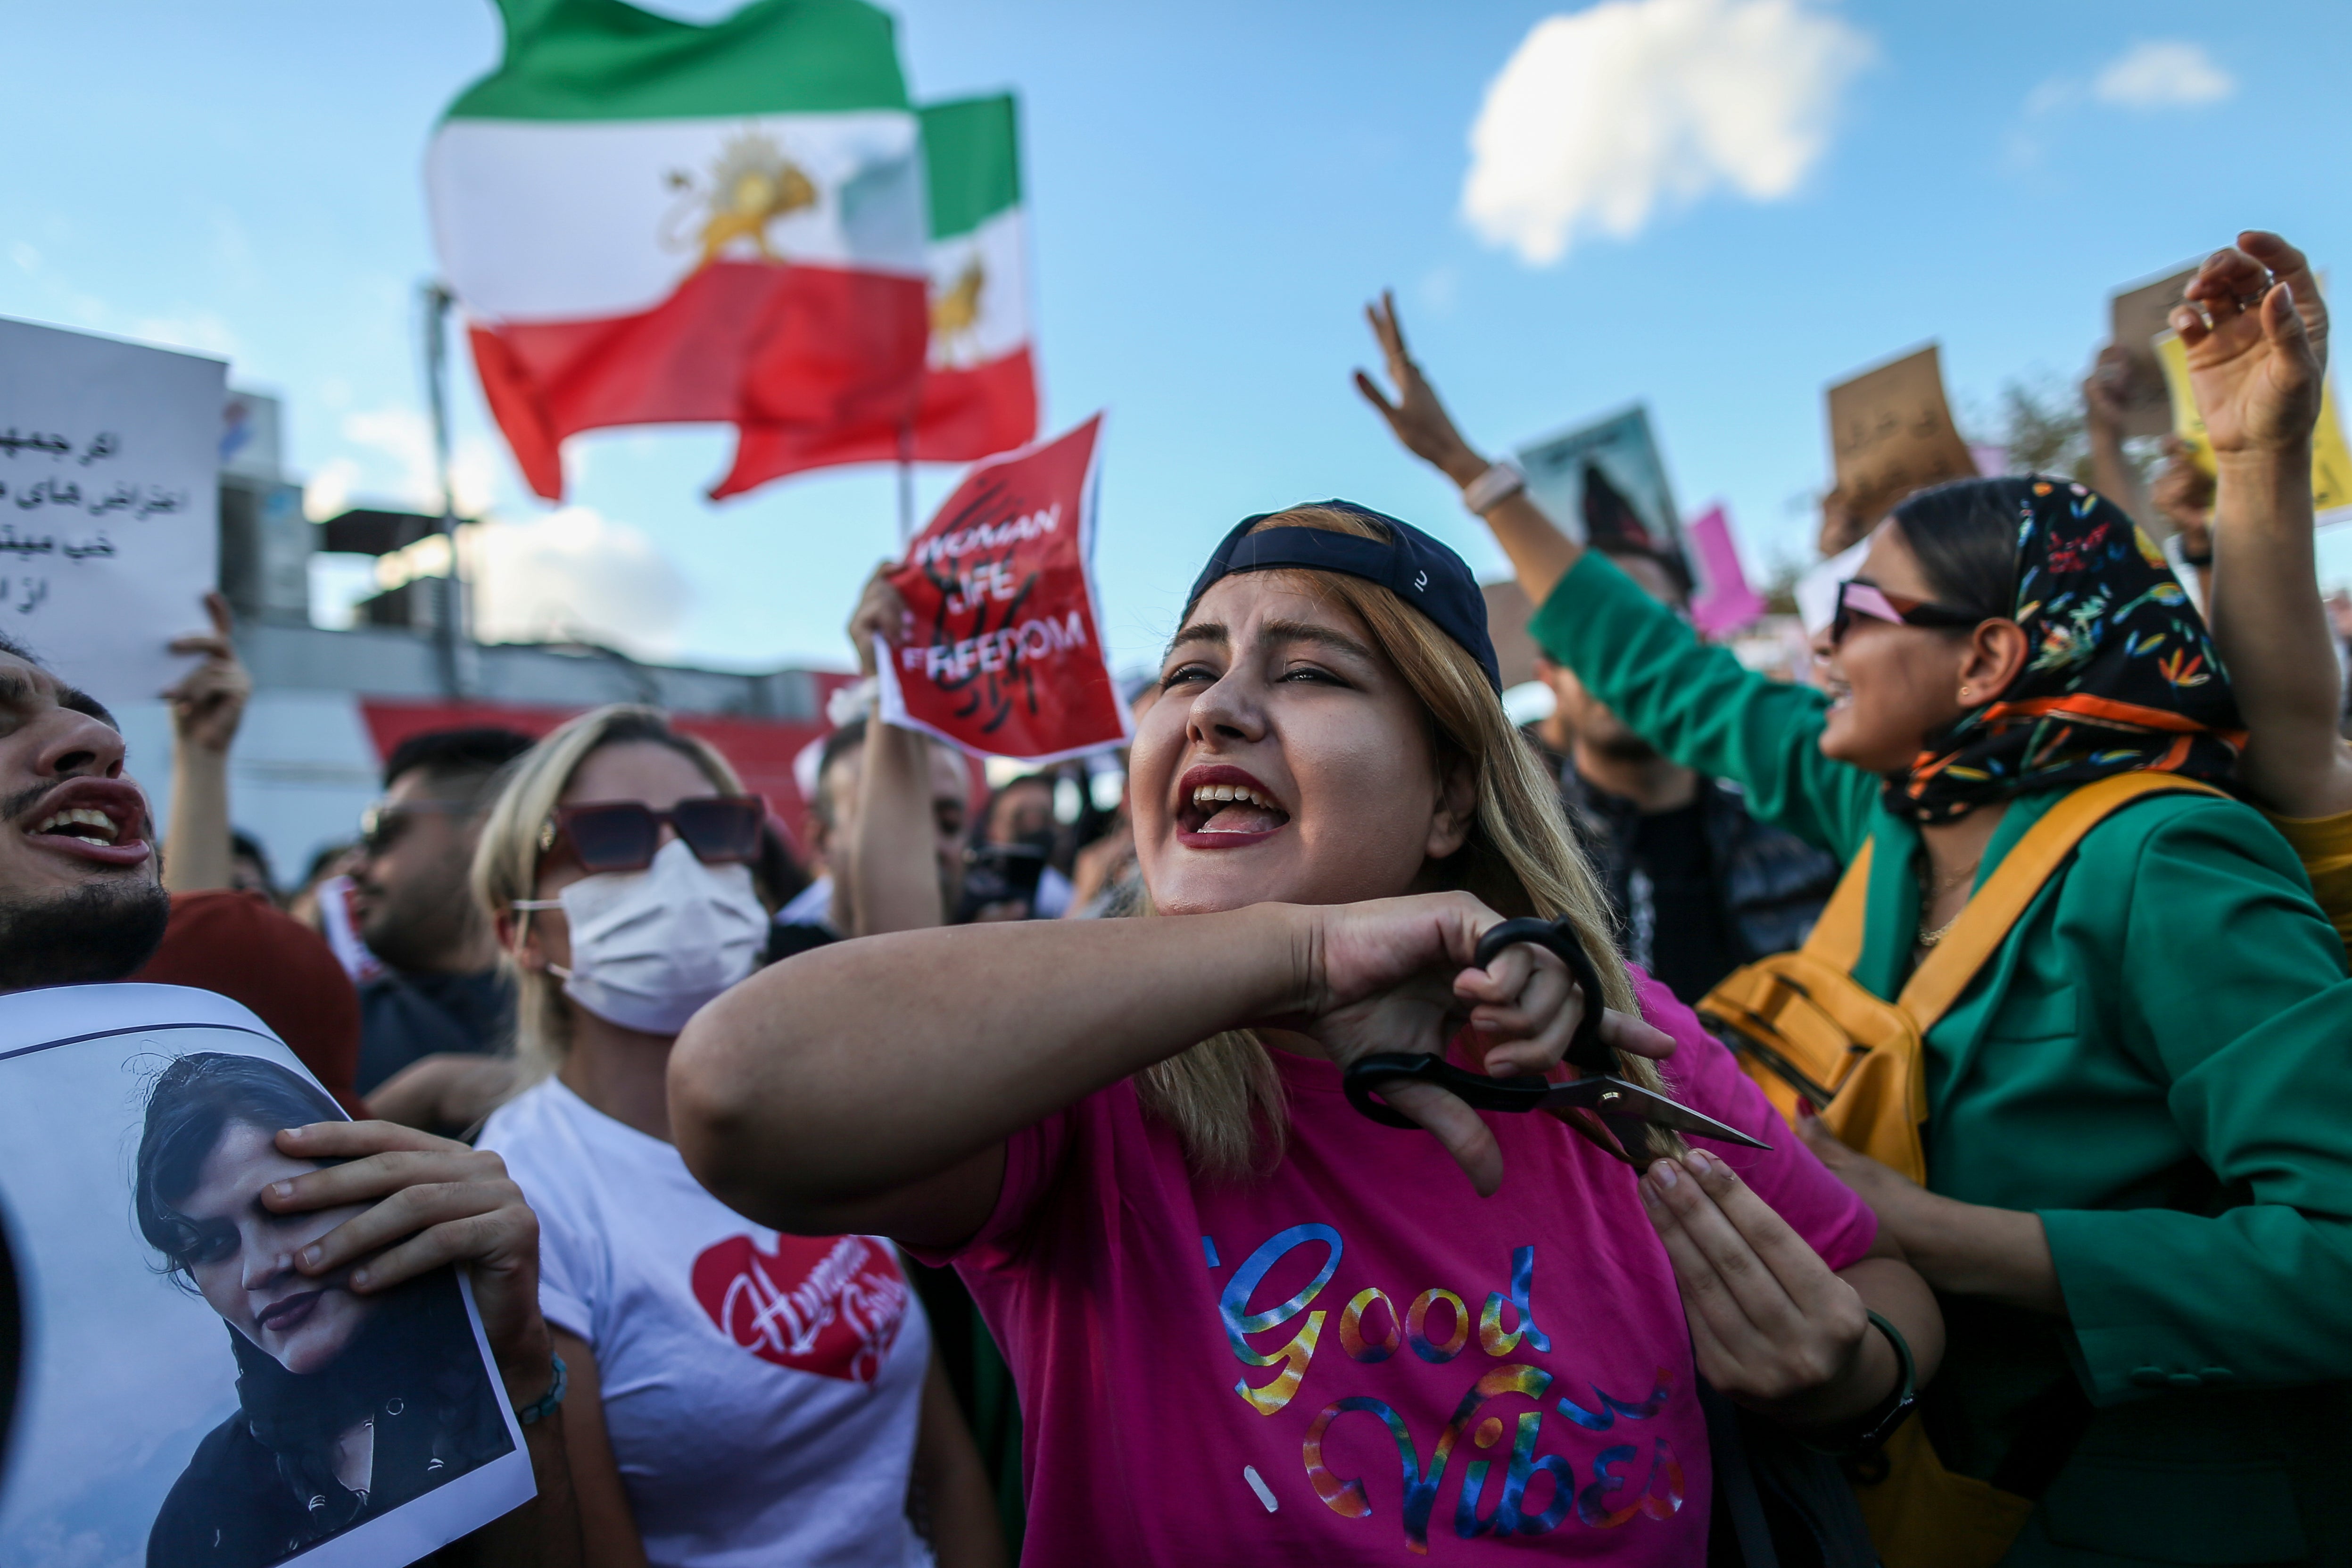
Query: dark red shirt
[[236, 945]]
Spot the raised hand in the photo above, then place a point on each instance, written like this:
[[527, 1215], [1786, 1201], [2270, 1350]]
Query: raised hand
[[881, 612], [430, 1201], [208, 705], [1417, 417], [2255, 330], [2104, 388], [1394, 975]]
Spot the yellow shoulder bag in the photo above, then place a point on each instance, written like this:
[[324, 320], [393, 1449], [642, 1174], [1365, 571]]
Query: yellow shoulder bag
[[1804, 1029]]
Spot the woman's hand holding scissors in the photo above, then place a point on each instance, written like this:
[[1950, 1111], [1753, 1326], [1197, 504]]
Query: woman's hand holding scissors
[[1394, 975]]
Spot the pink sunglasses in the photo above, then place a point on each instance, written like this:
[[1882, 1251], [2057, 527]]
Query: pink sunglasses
[[1860, 597]]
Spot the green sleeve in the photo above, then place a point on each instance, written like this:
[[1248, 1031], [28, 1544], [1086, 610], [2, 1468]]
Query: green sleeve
[[2231, 989], [1699, 707]]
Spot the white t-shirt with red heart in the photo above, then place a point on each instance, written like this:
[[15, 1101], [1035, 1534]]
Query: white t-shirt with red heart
[[761, 1390]]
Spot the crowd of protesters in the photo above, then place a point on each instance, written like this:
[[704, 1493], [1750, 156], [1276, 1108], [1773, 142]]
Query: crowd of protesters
[[1058, 1095]]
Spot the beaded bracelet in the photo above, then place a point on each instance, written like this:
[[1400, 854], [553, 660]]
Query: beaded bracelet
[[545, 1405]]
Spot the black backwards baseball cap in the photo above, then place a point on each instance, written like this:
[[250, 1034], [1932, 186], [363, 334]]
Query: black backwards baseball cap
[[1408, 563]]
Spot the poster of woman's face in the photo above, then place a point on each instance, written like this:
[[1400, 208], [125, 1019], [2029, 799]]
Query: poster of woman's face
[[185, 1394]]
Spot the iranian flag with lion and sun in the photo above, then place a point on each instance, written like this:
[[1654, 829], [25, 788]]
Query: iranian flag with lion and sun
[[979, 393], [649, 221]]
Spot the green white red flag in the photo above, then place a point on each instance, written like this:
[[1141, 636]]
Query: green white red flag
[[979, 392], [649, 221]]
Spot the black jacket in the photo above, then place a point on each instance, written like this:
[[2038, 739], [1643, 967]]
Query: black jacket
[[1769, 884], [262, 1487]]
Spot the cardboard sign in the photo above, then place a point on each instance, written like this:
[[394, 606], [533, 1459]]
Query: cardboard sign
[[2142, 313], [1605, 485], [1724, 602], [184, 1398], [1891, 433], [110, 504], [1003, 654], [2331, 459]]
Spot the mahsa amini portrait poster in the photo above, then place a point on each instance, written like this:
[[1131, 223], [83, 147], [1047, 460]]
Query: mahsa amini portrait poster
[[184, 1396]]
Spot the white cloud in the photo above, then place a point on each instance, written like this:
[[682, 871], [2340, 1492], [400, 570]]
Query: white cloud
[[574, 574], [1601, 116], [2163, 73], [2051, 96], [474, 474], [388, 455], [405, 437], [329, 493]]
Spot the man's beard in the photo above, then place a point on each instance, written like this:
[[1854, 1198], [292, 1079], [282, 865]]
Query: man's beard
[[102, 930], [420, 930]]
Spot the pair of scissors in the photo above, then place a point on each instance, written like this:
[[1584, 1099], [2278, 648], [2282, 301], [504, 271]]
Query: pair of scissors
[[1612, 1113]]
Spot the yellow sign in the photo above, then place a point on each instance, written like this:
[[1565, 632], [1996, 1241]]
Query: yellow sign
[[2331, 460]]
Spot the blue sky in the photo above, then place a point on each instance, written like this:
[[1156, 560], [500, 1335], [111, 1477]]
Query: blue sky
[[1214, 189]]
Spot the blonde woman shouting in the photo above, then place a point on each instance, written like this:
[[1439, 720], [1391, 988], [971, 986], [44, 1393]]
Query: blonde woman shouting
[[1247, 1323]]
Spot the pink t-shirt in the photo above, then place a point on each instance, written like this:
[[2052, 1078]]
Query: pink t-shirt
[[1355, 1357]]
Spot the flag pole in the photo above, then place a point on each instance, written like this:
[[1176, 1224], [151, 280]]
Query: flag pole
[[906, 484], [449, 597]]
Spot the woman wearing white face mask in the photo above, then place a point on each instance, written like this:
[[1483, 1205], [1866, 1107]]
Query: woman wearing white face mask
[[744, 1398]]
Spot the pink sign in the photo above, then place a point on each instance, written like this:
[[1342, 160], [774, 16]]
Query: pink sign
[[1723, 603]]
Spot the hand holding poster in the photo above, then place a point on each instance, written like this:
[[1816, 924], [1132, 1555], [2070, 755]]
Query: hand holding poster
[[1891, 433], [1005, 656], [109, 532], [185, 1396]]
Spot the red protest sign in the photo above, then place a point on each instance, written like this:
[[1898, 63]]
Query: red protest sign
[[1004, 654]]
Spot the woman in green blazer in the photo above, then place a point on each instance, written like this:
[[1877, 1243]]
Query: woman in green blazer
[[2138, 1207]]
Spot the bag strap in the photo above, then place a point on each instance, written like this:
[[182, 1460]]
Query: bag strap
[[1993, 908], [1836, 938]]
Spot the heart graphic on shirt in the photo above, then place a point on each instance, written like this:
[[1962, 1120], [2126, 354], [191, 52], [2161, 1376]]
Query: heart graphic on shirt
[[826, 1304]]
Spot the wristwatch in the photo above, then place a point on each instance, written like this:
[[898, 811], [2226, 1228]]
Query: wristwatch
[[1500, 483]]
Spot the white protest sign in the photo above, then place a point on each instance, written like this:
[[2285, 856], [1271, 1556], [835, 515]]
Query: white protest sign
[[110, 528], [184, 1395]]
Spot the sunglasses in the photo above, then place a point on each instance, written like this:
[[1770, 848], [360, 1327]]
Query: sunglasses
[[1860, 597], [623, 834], [382, 825]]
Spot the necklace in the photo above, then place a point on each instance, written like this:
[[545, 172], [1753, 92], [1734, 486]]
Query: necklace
[[1930, 938], [1930, 889]]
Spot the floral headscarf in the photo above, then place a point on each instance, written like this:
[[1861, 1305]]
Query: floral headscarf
[[2121, 676]]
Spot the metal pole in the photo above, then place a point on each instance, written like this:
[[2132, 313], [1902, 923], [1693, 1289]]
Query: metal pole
[[449, 596], [906, 484]]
